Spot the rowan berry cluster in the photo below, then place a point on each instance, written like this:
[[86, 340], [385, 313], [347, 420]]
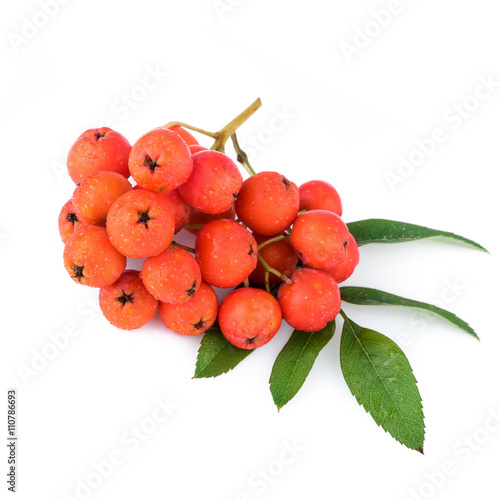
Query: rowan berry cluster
[[282, 247]]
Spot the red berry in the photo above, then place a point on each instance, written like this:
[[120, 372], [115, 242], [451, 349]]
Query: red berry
[[188, 138], [98, 149], [226, 253], [280, 255], [320, 195], [91, 259], [160, 160], [68, 221], [310, 301], [268, 203], [320, 239], [173, 276], [96, 193], [196, 148], [193, 317], [126, 303], [140, 224], [344, 269], [213, 184], [249, 317], [197, 218], [179, 208]]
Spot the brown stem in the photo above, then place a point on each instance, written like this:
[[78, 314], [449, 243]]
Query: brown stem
[[184, 247]]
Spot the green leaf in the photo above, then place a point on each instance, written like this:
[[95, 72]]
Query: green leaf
[[389, 231], [372, 297], [294, 362], [381, 379], [216, 355]]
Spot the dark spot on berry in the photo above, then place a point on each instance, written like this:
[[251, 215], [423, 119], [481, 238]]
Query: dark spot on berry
[[192, 290], [71, 217], [250, 341], [346, 243], [98, 135], [78, 272], [250, 252], [150, 163], [124, 298], [199, 325], [286, 182], [144, 218]]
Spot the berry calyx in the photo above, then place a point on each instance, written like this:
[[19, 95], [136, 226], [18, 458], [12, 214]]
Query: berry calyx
[[268, 203], [310, 301], [140, 224], [193, 317], [160, 160], [126, 303], [249, 317], [320, 239], [98, 149], [226, 253], [90, 259], [172, 276]]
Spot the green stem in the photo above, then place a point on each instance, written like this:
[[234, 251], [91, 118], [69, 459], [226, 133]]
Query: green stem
[[272, 240], [242, 156], [270, 269], [266, 281], [213, 135], [226, 132]]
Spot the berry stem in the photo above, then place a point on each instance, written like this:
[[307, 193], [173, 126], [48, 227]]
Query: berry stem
[[246, 283], [266, 281], [242, 156], [178, 245], [270, 269], [272, 240], [193, 226], [226, 132], [213, 135]]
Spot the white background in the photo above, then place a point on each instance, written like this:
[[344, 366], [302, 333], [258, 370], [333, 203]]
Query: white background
[[326, 114]]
